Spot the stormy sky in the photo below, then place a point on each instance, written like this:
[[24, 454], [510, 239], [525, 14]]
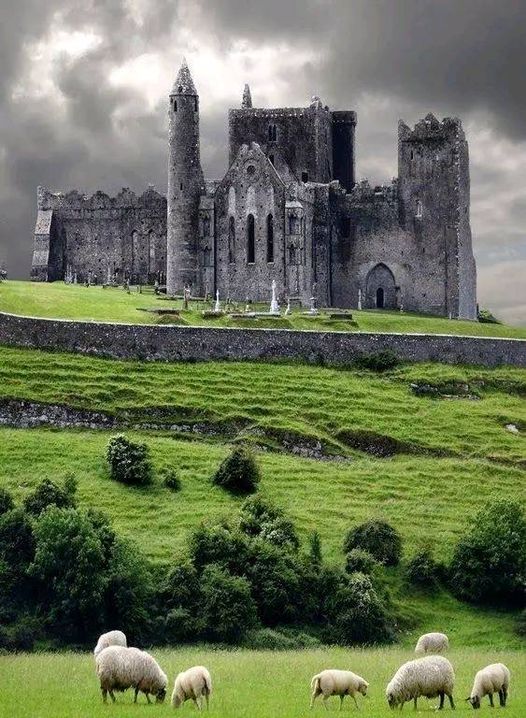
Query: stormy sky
[[83, 87]]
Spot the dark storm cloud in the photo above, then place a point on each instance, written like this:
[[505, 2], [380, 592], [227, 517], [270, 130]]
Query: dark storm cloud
[[451, 56]]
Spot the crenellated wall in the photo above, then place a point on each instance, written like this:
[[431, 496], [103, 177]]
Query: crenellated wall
[[100, 238]]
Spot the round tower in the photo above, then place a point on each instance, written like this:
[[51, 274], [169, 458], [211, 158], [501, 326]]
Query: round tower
[[185, 186]]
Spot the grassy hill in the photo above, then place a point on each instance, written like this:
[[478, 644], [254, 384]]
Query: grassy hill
[[116, 305], [426, 463]]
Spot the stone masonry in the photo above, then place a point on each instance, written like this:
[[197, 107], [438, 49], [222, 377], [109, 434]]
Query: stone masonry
[[288, 209]]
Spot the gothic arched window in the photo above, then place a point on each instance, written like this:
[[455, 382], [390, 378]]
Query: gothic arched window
[[272, 133], [251, 240], [207, 257], [270, 238], [206, 226], [231, 240]]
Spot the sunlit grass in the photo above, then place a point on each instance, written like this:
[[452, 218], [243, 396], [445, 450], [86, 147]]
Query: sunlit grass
[[111, 304], [246, 684]]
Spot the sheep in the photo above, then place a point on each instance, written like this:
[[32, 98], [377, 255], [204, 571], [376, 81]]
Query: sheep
[[494, 678], [432, 643], [337, 683], [430, 676], [112, 638], [120, 668], [193, 683]]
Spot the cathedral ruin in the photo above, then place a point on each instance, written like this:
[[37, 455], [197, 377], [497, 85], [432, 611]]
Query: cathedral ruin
[[287, 210]]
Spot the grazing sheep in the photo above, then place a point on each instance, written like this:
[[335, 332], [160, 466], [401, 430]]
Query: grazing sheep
[[112, 638], [432, 643], [337, 683], [430, 676], [495, 678], [193, 683], [120, 668]]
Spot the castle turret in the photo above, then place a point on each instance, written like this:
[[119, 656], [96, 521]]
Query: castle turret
[[246, 102], [433, 168], [185, 185]]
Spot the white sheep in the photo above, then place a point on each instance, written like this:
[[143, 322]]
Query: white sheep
[[430, 676], [120, 668], [494, 678], [337, 683], [432, 643], [193, 683], [112, 638]]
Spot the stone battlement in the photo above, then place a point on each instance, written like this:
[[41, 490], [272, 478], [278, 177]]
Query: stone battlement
[[430, 128], [74, 200]]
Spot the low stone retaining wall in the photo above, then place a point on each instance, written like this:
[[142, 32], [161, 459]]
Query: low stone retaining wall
[[173, 343]]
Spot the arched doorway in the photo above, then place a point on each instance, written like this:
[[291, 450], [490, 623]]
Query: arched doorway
[[380, 288]]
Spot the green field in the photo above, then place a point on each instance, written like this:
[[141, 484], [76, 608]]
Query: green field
[[246, 684], [68, 301]]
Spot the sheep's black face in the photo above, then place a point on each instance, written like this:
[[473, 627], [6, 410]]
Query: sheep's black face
[[391, 700], [161, 696], [475, 702]]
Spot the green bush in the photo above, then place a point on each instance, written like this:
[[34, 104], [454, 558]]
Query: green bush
[[219, 544], [360, 560], [378, 361], [129, 461], [275, 581], [47, 493], [520, 626], [271, 639], [357, 614], [423, 572], [379, 538], [261, 518], [315, 554], [171, 480], [22, 634], [489, 562], [17, 550], [238, 473], [6, 501], [227, 608]]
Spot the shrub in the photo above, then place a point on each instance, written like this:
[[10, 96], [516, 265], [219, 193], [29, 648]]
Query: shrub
[[423, 572], [359, 560], [271, 639], [261, 518], [520, 626], [219, 544], [17, 550], [489, 562], [379, 538], [22, 634], [180, 625], [47, 493], [129, 461], [238, 473], [6, 501], [227, 607], [171, 480], [378, 361], [357, 614]]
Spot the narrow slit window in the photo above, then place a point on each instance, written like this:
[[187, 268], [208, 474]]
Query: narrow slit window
[[270, 238], [231, 240], [251, 240]]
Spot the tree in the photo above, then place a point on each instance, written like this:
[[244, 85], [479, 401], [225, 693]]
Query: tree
[[423, 571], [220, 544], [358, 560], [238, 473], [260, 518], [489, 562], [379, 538], [17, 550], [227, 607], [357, 614], [70, 565], [47, 493], [129, 461]]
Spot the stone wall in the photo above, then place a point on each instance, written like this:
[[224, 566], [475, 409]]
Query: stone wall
[[171, 343]]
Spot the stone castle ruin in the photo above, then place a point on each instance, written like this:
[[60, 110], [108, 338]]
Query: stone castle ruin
[[288, 210]]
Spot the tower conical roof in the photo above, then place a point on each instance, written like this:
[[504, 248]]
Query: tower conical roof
[[184, 85], [247, 98]]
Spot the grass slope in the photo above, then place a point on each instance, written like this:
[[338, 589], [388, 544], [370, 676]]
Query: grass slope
[[453, 455], [115, 305], [246, 684]]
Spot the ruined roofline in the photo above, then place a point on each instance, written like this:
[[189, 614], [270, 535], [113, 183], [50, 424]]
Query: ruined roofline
[[73, 199], [430, 127], [345, 115]]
